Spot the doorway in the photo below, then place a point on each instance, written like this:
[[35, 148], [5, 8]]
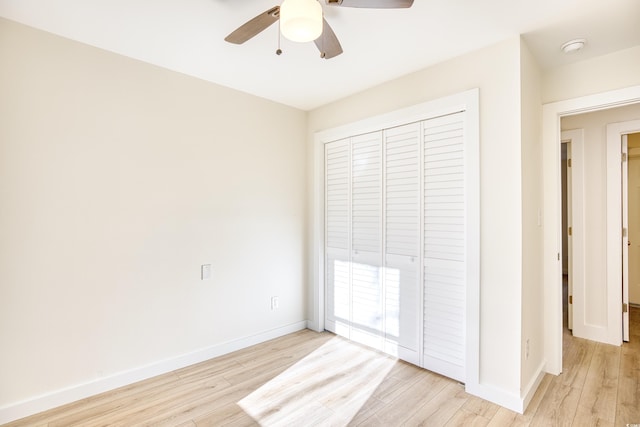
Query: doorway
[[598, 169], [553, 114]]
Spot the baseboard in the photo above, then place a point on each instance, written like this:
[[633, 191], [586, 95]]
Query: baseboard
[[530, 389], [313, 326], [497, 396], [510, 401], [47, 401]]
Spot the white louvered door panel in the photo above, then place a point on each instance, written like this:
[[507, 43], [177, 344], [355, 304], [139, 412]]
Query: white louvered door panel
[[444, 250], [366, 226], [402, 241], [337, 220]]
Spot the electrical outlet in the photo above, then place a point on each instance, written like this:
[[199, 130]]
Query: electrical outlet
[[526, 350], [275, 303], [205, 272]]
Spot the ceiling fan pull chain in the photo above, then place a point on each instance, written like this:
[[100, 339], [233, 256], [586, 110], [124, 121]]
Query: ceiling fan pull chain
[[279, 51], [323, 52]]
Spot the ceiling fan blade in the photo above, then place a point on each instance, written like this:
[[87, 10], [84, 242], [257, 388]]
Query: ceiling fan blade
[[328, 43], [255, 26], [371, 4]]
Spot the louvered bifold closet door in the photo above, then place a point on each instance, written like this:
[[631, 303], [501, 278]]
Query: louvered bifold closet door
[[337, 220], [402, 241], [366, 240], [444, 250]]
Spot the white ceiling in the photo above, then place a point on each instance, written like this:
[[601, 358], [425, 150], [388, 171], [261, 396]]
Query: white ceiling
[[379, 45]]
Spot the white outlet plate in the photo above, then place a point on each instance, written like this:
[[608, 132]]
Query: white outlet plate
[[205, 272], [275, 303]]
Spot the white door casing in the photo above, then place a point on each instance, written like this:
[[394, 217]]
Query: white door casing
[[552, 113]]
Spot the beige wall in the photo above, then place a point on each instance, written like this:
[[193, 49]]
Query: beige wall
[[496, 71], [595, 199], [532, 353], [608, 72], [119, 179]]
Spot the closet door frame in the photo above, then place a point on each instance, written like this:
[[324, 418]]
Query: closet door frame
[[466, 102]]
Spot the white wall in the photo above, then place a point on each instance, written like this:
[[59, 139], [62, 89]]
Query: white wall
[[532, 353], [119, 179], [595, 199], [496, 71]]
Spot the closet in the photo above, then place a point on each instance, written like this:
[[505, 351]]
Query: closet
[[395, 252]]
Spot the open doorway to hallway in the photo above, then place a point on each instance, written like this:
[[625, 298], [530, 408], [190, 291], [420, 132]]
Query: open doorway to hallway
[[586, 169]]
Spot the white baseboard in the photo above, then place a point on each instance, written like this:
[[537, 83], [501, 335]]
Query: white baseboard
[[313, 326], [510, 401], [497, 396], [75, 392], [531, 388]]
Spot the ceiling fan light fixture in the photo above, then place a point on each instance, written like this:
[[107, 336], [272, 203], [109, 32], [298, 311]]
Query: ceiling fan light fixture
[[301, 20]]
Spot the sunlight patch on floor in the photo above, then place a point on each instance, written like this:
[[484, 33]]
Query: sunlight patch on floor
[[328, 386]]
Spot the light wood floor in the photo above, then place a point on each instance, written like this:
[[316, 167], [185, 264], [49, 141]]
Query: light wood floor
[[307, 378]]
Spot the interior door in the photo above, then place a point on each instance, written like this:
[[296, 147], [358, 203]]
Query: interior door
[[402, 242], [578, 310], [444, 246], [337, 237], [367, 304], [634, 220], [569, 232], [625, 240]]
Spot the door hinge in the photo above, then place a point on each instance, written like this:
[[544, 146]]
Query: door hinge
[[624, 232], [570, 231], [625, 307], [558, 256], [570, 299], [624, 157], [568, 163]]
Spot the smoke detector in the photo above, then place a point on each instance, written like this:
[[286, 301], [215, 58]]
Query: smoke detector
[[573, 46]]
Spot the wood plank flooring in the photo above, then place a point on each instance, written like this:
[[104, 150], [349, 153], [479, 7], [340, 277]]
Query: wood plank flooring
[[307, 379]]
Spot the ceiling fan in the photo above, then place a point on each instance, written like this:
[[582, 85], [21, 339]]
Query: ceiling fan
[[303, 21]]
